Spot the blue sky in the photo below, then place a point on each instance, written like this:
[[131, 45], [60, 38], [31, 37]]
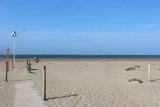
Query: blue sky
[[111, 27]]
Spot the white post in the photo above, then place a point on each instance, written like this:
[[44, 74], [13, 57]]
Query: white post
[[14, 51], [149, 72], [14, 47]]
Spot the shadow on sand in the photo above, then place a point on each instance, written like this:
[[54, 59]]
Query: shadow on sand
[[155, 80], [34, 69], [20, 80], [62, 96], [30, 71]]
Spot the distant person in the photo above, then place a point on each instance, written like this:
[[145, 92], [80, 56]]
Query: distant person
[[35, 59]]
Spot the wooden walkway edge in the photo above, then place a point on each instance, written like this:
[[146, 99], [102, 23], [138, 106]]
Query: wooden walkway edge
[[27, 96]]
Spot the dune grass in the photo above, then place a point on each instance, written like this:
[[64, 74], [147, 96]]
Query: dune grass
[[135, 79], [132, 68], [137, 66]]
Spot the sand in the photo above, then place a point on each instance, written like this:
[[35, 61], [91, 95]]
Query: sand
[[88, 83], [6, 89]]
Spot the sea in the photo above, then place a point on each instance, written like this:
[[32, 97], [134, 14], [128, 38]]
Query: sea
[[79, 56]]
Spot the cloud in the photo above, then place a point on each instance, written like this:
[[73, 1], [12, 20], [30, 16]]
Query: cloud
[[116, 34], [147, 26]]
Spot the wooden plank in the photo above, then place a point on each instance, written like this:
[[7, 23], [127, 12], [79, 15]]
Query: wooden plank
[[27, 95]]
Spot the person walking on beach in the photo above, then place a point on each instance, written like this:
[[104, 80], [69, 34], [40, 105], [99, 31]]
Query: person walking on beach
[[35, 59]]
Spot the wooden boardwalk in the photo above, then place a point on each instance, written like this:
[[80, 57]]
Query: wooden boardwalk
[[27, 96]]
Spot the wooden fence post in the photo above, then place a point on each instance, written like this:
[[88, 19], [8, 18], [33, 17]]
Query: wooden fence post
[[27, 61], [7, 69], [44, 82], [7, 57], [27, 66], [149, 72]]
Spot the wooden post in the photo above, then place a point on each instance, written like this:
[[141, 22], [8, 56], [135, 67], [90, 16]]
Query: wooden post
[[7, 57], [44, 82], [27, 61], [8, 65], [149, 72], [7, 69], [27, 65]]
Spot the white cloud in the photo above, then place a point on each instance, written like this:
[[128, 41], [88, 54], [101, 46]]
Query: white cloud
[[116, 34], [147, 26]]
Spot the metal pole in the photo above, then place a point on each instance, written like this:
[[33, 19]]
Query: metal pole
[[14, 46], [12, 65]]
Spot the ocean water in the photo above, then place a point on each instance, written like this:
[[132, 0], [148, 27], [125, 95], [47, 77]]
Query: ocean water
[[80, 56]]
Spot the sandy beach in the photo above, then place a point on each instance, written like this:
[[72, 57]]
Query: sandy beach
[[88, 83]]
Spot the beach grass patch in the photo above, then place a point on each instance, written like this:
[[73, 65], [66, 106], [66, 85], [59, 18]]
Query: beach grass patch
[[133, 68], [135, 79], [137, 66], [130, 69]]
